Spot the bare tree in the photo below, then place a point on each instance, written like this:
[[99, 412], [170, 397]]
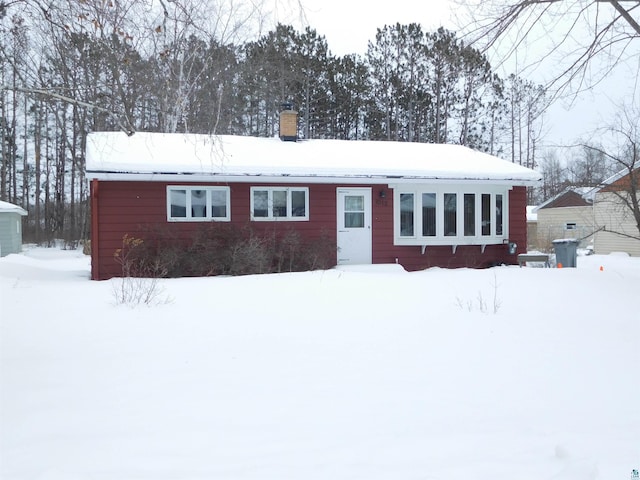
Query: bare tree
[[590, 167], [622, 191], [574, 31], [554, 176], [183, 61], [74, 66]]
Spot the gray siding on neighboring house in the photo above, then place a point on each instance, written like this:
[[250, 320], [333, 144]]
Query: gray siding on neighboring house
[[10, 233], [568, 214], [564, 222], [611, 214]]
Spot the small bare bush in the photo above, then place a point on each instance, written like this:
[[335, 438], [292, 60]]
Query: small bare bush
[[139, 283], [480, 303]]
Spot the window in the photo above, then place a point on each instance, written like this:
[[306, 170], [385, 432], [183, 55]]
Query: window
[[570, 226], [260, 204], [354, 211], [198, 204], [449, 215], [299, 205], [486, 214], [499, 219], [469, 214], [407, 209], [279, 203], [429, 206]]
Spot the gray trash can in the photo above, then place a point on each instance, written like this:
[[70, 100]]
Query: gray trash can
[[566, 252]]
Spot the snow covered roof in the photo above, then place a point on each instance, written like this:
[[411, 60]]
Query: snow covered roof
[[162, 156], [586, 193], [10, 207], [617, 176]]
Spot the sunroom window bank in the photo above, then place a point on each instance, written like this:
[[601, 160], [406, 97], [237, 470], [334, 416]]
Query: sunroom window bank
[[450, 215]]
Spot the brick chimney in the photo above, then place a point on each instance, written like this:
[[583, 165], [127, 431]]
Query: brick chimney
[[288, 123]]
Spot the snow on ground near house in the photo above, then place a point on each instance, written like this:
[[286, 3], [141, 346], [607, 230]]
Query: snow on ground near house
[[505, 373]]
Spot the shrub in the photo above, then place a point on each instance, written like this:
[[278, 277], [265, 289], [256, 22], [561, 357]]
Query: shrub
[[140, 274], [287, 252], [227, 249], [319, 253]]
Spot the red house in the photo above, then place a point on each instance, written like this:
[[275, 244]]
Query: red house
[[416, 204]]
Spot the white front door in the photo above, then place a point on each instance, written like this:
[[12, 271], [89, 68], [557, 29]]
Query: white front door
[[354, 226]]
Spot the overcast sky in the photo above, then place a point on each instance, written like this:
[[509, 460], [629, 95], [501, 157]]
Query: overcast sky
[[349, 24]]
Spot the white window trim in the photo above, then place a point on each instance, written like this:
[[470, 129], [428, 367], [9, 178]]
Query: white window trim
[[208, 217], [459, 238], [288, 218]]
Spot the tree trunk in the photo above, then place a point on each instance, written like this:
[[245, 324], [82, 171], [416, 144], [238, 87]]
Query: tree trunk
[[37, 140]]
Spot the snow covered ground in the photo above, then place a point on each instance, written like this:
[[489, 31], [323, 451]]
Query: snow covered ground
[[505, 373]]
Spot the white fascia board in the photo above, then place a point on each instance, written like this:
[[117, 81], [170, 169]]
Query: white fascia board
[[19, 210], [311, 179]]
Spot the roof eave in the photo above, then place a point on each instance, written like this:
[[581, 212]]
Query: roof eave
[[19, 211], [311, 179]]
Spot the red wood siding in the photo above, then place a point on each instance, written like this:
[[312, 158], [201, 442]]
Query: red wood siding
[[623, 183], [132, 208], [517, 221], [95, 242]]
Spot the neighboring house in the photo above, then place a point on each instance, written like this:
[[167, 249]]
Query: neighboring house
[[10, 228], [618, 228], [568, 214], [419, 205]]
